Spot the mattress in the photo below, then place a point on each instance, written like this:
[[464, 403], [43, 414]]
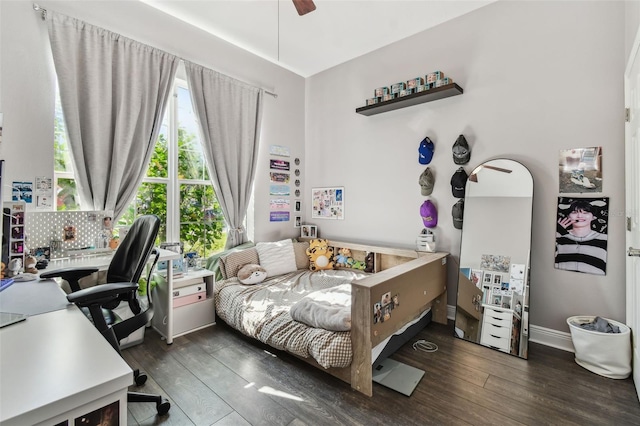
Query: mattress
[[261, 311]]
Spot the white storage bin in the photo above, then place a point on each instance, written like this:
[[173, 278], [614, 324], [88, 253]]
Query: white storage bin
[[606, 354]]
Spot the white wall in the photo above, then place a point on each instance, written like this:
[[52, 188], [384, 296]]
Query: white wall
[[538, 77], [27, 84]]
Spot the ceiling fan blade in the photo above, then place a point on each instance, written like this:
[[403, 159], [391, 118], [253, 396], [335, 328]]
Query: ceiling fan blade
[[304, 6]]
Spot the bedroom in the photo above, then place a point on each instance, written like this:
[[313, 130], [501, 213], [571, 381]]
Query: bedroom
[[536, 80]]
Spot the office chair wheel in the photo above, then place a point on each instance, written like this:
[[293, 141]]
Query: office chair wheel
[[163, 407], [139, 377]]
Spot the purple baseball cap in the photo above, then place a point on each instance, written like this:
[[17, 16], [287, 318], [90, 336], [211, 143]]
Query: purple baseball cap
[[429, 214]]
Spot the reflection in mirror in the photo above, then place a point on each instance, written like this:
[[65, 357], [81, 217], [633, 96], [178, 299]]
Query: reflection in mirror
[[493, 285]]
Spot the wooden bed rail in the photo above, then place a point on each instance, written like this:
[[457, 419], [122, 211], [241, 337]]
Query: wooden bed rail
[[418, 279], [418, 284]]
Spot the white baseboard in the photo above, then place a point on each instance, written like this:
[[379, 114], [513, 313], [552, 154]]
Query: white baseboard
[[544, 336], [549, 337], [451, 312]]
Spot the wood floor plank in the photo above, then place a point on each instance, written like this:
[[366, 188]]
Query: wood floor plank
[[201, 404], [233, 419], [145, 413], [241, 395]]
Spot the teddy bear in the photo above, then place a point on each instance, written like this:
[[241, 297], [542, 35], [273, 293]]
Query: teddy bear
[[343, 257], [320, 255], [369, 262], [30, 265], [251, 274]]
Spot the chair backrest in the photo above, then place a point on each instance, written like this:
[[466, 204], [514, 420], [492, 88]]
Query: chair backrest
[[133, 251]]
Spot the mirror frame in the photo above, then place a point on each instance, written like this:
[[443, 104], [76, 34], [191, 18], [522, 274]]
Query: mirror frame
[[494, 313]]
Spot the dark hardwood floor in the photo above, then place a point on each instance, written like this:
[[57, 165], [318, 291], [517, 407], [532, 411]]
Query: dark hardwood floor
[[217, 376]]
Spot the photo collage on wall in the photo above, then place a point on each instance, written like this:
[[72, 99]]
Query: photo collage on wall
[[280, 189], [581, 222], [501, 282], [327, 203]]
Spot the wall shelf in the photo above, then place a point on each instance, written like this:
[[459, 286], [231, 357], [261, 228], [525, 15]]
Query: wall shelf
[[414, 99]]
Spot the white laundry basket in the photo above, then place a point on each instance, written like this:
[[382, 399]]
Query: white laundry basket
[[606, 354]]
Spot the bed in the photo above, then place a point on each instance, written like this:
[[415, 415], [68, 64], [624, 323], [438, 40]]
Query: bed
[[386, 307]]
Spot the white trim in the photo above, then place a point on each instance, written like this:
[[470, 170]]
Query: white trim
[[451, 312], [544, 336], [549, 337]]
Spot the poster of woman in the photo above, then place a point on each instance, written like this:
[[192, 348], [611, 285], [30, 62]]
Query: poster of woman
[[581, 235]]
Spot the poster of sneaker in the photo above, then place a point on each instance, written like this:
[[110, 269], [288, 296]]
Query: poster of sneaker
[[580, 170], [582, 235]]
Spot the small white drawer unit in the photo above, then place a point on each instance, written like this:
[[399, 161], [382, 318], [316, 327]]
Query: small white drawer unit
[[184, 304], [496, 328]]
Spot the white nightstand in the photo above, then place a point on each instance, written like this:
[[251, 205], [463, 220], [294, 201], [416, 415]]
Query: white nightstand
[[182, 305]]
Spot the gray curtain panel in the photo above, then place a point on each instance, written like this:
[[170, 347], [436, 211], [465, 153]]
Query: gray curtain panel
[[113, 91], [229, 112]]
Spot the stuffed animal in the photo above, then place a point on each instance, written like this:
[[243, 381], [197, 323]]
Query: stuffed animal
[[358, 264], [30, 265], [251, 274], [343, 256], [369, 262], [14, 268], [320, 255]]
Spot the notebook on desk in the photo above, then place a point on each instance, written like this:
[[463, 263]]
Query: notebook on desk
[[6, 282], [8, 318]]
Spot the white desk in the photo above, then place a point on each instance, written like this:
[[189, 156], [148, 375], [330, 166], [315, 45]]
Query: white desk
[[56, 366]]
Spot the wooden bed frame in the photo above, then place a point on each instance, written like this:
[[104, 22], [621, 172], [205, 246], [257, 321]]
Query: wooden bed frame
[[420, 281]]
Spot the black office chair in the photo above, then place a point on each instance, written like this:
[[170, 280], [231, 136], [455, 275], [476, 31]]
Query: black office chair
[[124, 272]]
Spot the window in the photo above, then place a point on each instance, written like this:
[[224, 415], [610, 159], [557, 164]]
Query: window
[[176, 188]]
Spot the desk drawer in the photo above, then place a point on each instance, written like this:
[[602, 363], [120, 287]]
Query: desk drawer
[[189, 290], [498, 315], [497, 330], [501, 343], [187, 281], [189, 299]]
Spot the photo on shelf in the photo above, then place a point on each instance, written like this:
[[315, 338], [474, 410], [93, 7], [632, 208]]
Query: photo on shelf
[[310, 231], [476, 277]]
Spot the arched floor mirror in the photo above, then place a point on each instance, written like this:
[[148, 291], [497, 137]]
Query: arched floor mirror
[[492, 306]]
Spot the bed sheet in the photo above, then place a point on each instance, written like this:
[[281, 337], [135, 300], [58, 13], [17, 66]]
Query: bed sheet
[[261, 311]]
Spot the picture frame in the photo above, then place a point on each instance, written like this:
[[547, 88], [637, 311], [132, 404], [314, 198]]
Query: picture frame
[[297, 222], [309, 231], [327, 203], [476, 277], [298, 206]]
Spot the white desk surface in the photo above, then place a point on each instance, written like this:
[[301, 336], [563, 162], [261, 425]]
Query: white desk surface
[[53, 363]]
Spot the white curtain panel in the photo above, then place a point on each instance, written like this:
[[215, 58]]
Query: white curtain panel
[[113, 91], [229, 112]]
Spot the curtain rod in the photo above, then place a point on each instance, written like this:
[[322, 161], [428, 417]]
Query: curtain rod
[[42, 10]]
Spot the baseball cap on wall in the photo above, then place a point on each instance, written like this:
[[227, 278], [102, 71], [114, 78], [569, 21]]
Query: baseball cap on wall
[[458, 213], [429, 214], [461, 151], [459, 182], [426, 182], [425, 151]]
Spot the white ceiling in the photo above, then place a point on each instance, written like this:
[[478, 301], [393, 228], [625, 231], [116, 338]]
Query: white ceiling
[[337, 31]]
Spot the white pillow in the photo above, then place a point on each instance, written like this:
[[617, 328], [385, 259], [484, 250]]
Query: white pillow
[[277, 258]]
